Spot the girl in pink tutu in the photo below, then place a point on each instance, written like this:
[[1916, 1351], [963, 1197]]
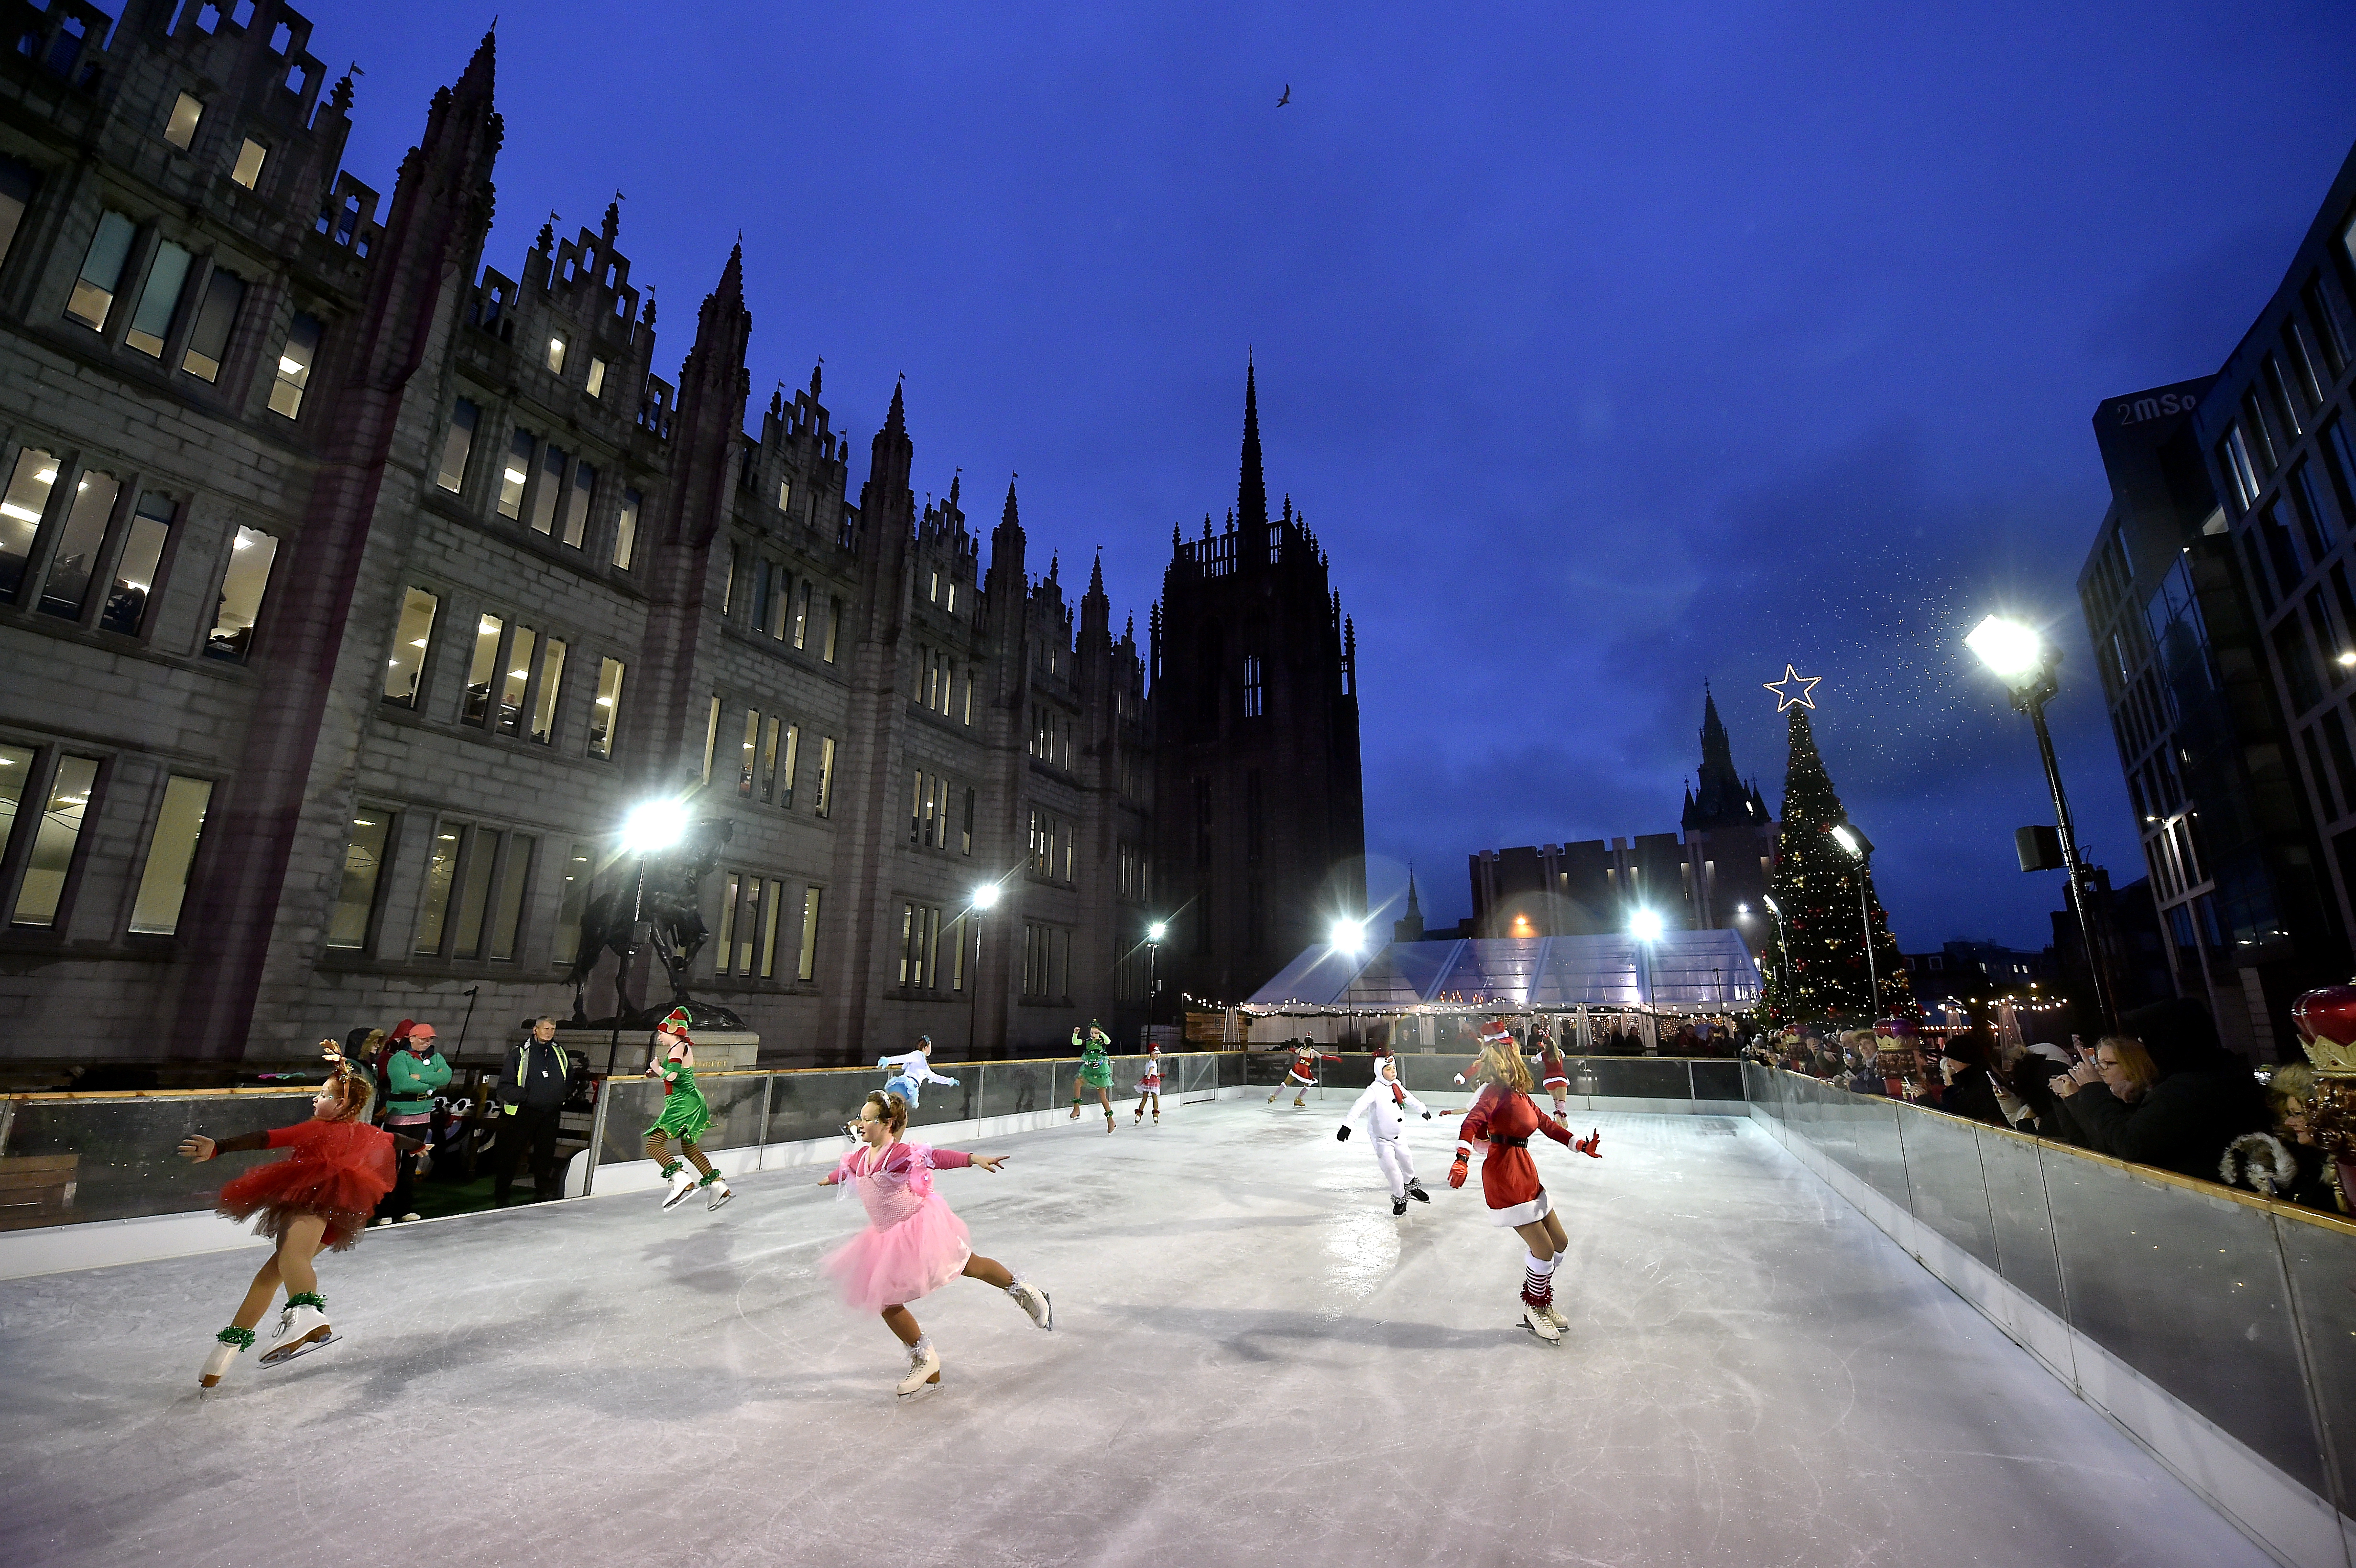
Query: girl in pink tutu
[[913, 1245]]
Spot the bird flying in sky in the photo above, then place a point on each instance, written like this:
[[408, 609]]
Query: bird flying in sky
[[1288, 96]]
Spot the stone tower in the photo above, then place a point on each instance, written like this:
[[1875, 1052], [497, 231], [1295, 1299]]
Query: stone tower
[[1260, 812]]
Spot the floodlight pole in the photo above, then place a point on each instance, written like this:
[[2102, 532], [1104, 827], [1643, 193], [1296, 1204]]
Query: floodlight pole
[[2032, 703], [1864, 919], [629, 959]]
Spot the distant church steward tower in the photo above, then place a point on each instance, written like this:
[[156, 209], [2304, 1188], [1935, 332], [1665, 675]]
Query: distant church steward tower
[[1730, 844], [1260, 810]]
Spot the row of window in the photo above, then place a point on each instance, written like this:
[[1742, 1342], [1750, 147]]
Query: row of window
[[1134, 875], [541, 484], [769, 767], [513, 671], [2287, 397], [40, 849], [94, 532], [747, 945], [937, 685], [779, 605], [1046, 962], [931, 800], [1050, 846], [934, 957], [1051, 735]]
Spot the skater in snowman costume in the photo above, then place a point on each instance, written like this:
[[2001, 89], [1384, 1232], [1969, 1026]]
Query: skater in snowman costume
[[1383, 1105], [317, 1199], [911, 1071]]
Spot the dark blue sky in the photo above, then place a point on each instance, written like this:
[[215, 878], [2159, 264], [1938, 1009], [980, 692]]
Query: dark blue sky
[[1608, 347]]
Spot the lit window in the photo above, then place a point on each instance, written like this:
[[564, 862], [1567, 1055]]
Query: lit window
[[626, 532], [163, 883], [150, 323], [551, 678], [75, 559], [440, 873], [785, 492], [596, 377], [242, 586], [247, 171], [180, 130], [482, 669], [577, 516], [517, 682], [411, 640], [512, 476], [807, 967], [209, 340], [43, 891], [295, 358], [21, 508], [136, 567], [102, 270], [607, 714], [824, 805], [550, 491], [556, 355], [787, 764], [458, 444], [348, 926]]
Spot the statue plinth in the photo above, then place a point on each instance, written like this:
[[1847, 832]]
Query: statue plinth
[[716, 1051]]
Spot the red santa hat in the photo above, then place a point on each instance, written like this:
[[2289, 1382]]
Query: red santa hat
[[1496, 1031]]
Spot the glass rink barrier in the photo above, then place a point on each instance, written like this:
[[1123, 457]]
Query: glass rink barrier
[[1627, 1083], [2240, 1311], [67, 1157]]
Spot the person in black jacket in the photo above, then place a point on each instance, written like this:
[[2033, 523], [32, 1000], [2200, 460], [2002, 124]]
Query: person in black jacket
[[539, 1077], [1970, 1092], [2205, 1097]]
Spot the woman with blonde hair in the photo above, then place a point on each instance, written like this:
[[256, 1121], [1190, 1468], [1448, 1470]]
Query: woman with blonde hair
[[913, 1245], [318, 1198], [1504, 1116]]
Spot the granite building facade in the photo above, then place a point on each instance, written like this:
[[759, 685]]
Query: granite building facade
[[352, 590]]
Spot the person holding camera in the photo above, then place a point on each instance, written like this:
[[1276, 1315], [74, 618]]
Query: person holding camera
[[539, 1077]]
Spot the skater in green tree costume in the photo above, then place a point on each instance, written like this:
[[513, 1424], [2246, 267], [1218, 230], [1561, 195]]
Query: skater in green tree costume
[[684, 1116], [1096, 1069]]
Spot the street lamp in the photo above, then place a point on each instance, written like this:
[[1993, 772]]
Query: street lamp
[[1348, 936], [1861, 849], [1644, 925], [2025, 662], [1153, 936], [650, 827], [984, 900]]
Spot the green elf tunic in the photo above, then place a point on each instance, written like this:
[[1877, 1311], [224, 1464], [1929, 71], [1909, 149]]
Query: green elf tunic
[[685, 1114], [1095, 1067]]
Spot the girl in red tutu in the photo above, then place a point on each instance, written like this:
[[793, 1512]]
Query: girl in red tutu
[[1504, 1116], [320, 1196], [913, 1245]]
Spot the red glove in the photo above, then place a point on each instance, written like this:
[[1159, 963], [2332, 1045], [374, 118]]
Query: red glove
[[1589, 1145], [1457, 1172]]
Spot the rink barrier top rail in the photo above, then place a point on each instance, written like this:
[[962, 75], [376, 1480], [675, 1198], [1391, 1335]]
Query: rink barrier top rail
[[2240, 1308], [67, 1157]]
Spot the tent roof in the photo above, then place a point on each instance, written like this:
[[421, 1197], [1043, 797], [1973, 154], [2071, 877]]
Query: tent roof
[[1691, 971]]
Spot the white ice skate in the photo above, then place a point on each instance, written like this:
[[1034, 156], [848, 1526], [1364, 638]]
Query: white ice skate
[[232, 1342], [1538, 1322], [682, 1182], [923, 1372], [1555, 1317], [1033, 1300], [301, 1330], [720, 1194]]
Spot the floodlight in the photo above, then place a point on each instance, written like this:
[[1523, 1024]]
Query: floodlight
[[1349, 935], [1156, 932], [1846, 839], [653, 826], [2013, 651], [985, 897], [1645, 926]]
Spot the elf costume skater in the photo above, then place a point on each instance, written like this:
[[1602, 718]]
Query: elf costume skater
[[911, 1071], [1150, 1086], [1303, 1072], [1503, 1116], [1096, 1069], [913, 1245], [1383, 1104], [318, 1197], [685, 1115]]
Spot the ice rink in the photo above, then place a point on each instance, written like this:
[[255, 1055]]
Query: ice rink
[[1253, 1363]]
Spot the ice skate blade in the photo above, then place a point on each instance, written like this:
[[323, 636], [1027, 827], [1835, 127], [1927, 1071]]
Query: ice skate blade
[[318, 1339], [721, 1197], [1531, 1330], [928, 1386], [677, 1198]]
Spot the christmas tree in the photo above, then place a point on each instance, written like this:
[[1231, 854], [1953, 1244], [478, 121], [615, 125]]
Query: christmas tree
[[1815, 968]]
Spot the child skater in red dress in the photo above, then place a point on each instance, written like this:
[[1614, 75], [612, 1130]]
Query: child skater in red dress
[[1302, 1073], [318, 1197], [1553, 1076], [1504, 1116]]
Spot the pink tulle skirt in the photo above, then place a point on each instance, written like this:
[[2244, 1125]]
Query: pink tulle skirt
[[884, 1267]]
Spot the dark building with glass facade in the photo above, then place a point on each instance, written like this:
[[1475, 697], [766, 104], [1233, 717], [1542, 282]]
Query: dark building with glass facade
[[2219, 598]]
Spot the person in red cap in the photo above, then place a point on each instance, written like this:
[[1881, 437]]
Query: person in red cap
[[685, 1115], [1503, 1117], [415, 1071]]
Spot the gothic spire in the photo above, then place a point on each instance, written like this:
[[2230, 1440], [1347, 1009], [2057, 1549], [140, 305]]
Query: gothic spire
[[1251, 497], [896, 421]]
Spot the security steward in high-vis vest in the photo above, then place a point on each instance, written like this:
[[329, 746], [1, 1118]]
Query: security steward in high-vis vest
[[538, 1077]]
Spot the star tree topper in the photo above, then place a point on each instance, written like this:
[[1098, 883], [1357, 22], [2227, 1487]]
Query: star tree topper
[[1800, 684]]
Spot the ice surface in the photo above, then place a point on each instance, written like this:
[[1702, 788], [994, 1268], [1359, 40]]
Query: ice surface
[[1253, 1363]]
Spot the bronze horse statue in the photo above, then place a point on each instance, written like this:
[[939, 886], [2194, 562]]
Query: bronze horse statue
[[670, 905]]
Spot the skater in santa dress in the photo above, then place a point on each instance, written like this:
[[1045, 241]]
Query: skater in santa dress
[[913, 1244], [1553, 1074], [1148, 1087], [911, 1071], [1504, 1116], [685, 1117], [1496, 1034], [1302, 1073], [1383, 1105], [1096, 1069], [318, 1198]]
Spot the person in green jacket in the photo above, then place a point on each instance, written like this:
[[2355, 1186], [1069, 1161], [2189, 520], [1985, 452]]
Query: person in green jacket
[[1096, 1069], [685, 1115], [413, 1074]]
